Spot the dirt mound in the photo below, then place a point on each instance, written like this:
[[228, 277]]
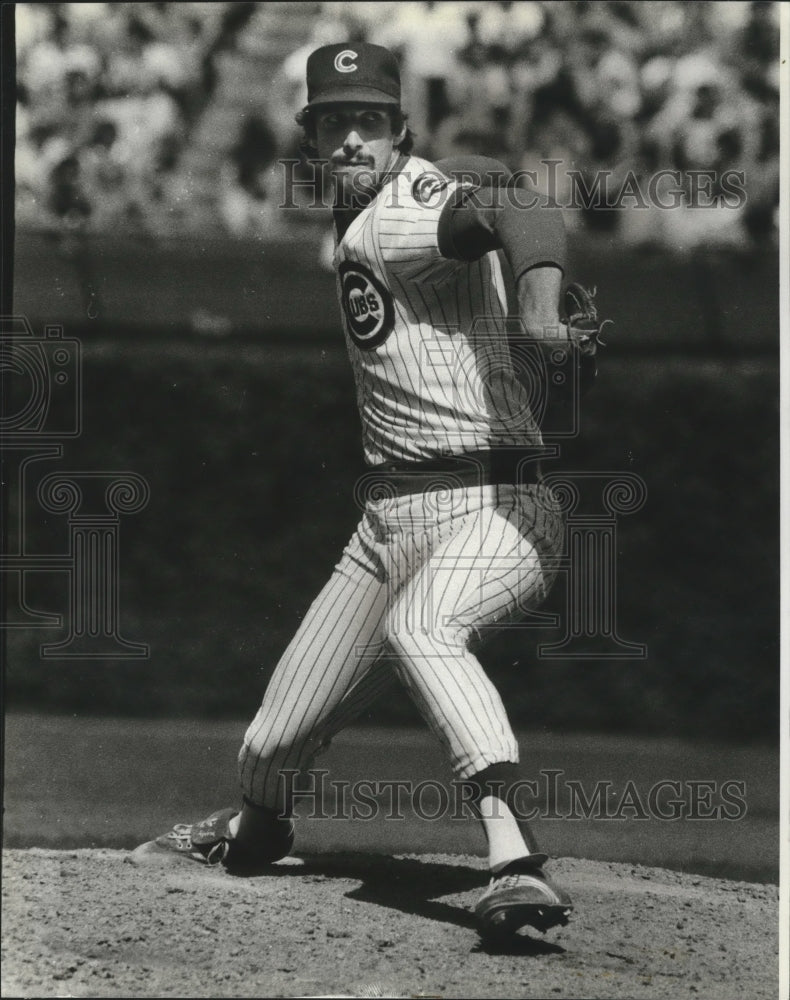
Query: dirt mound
[[84, 923]]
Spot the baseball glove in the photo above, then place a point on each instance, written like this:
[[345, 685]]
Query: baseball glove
[[581, 317]]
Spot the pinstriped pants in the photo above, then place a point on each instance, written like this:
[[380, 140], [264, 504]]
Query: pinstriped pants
[[421, 574]]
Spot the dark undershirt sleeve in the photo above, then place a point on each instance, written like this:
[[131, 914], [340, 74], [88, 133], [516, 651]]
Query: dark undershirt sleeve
[[521, 222]]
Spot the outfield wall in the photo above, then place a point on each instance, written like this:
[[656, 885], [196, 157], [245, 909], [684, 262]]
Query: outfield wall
[[697, 301]]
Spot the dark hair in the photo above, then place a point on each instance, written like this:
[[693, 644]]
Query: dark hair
[[397, 118]]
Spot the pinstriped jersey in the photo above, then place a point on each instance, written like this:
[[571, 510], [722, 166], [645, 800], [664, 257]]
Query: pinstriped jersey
[[426, 335]]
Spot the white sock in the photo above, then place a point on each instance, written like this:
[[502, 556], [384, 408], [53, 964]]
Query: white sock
[[505, 842], [233, 826]]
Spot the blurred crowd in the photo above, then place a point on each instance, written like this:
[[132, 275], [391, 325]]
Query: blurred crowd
[[107, 95], [113, 101]]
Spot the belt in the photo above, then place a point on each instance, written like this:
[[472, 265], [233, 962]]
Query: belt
[[503, 466]]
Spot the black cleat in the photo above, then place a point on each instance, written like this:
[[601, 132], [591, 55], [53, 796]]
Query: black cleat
[[521, 896], [209, 842]]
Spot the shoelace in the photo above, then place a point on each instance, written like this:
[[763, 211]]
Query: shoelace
[[181, 835]]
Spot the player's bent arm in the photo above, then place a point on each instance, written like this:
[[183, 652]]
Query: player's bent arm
[[489, 214], [525, 225]]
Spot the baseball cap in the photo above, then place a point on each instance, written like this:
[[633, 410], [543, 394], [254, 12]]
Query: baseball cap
[[353, 71]]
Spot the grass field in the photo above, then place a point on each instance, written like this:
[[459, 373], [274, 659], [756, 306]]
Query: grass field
[[99, 782]]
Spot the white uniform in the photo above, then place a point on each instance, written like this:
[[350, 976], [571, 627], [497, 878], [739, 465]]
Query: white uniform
[[426, 335], [425, 570]]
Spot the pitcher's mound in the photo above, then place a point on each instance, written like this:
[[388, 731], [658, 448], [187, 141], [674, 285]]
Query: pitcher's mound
[[83, 923]]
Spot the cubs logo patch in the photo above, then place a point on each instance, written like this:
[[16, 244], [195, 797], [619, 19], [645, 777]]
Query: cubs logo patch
[[428, 188], [367, 305], [344, 61]]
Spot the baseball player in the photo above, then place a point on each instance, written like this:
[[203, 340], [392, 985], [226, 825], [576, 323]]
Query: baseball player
[[457, 533]]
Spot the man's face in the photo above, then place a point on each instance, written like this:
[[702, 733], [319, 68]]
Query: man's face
[[357, 142]]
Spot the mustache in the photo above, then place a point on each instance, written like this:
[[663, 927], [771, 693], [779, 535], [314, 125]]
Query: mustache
[[342, 161]]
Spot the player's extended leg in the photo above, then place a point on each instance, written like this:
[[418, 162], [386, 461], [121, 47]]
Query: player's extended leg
[[337, 643], [488, 570]]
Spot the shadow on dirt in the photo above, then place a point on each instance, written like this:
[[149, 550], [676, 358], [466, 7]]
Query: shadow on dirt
[[411, 886], [523, 944]]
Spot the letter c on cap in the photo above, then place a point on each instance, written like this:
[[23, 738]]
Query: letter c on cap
[[344, 61]]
